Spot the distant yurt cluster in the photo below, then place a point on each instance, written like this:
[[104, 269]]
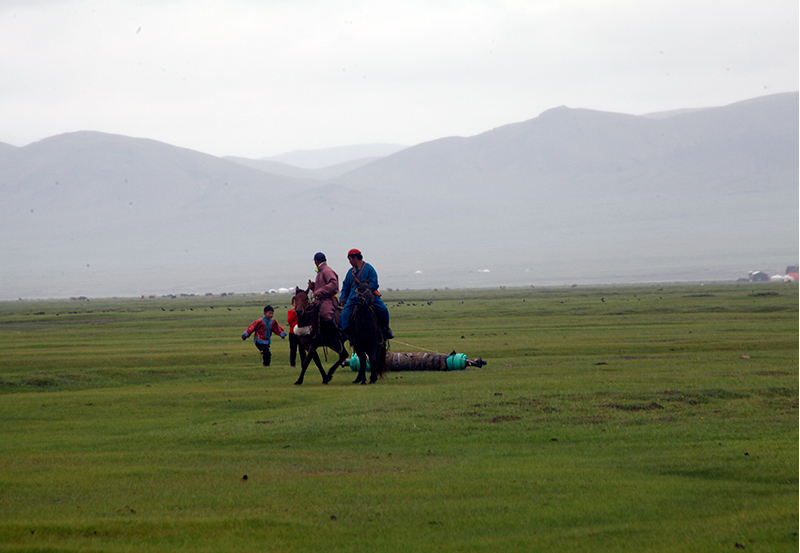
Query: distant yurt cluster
[[790, 275]]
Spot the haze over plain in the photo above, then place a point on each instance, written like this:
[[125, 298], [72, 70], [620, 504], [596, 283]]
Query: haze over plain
[[254, 79], [571, 196]]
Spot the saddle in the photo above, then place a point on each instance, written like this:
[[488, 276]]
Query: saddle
[[326, 333]]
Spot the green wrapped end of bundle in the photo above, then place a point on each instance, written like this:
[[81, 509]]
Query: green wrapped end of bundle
[[457, 362]]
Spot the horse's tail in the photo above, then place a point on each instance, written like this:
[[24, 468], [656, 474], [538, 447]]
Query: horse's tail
[[383, 366], [380, 347]]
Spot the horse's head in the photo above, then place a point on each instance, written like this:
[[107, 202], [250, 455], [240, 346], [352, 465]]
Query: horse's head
[[300, 300], [303, 308], [364, 294]]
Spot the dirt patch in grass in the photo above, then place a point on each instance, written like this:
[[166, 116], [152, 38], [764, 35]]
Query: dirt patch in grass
[[775, 373], [634, 406], [505, 418]]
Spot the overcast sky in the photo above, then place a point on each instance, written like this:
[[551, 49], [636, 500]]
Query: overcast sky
[[259, 78]]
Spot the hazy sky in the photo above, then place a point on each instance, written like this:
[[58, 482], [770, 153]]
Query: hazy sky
[[258, 78]]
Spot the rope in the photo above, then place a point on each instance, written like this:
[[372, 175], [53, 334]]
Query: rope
[[413, 346]]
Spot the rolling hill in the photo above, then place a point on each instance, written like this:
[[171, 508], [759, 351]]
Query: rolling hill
[[573, 195]]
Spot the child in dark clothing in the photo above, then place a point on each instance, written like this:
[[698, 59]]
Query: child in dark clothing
[[262, 331]]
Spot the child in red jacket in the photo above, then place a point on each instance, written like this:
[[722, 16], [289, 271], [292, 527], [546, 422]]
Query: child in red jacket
[[294, 341], [262, 331]]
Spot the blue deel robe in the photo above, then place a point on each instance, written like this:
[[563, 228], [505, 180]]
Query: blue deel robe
[[365, 274]]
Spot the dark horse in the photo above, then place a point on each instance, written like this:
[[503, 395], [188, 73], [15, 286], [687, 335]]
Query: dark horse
[[366, 337], [312, 336]]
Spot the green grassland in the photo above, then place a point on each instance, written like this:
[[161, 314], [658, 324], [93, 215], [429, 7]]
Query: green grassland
[[649, 418]]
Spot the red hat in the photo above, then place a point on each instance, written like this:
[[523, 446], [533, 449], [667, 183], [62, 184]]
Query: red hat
[[353, 252]]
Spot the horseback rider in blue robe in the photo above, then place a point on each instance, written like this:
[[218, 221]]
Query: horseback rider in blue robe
[[361, 271]]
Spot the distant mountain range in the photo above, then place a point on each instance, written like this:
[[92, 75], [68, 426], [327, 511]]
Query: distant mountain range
[[328, 157], [322, 173], [571, 196]]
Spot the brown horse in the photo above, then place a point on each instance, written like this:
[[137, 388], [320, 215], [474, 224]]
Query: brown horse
[[312, 336], [366, 336]]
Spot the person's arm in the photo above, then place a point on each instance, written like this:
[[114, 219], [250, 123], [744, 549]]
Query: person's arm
[[372, 278], [276, 328], [250, 329], [348, 282], [329, 287]]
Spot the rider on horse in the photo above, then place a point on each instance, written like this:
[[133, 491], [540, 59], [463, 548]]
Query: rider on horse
[[362, 271], [325, 288]]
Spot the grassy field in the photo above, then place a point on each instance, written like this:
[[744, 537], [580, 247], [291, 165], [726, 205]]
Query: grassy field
[[651, 418]]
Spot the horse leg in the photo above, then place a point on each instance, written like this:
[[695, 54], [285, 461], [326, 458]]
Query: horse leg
[[341, 362], [325, 378], [362, 369], [373, 375], [318, 363], [310, 356]]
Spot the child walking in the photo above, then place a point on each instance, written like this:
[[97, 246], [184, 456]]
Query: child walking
[[262, 330]]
